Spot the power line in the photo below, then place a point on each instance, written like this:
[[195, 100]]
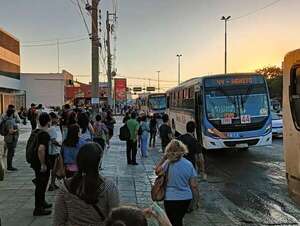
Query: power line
[[55, 43], [83, 17], [255, 11]]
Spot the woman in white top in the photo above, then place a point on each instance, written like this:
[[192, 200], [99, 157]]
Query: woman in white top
[[54, 147]]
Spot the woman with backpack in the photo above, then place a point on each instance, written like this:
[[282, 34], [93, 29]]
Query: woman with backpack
[[70, 149], [87, 198]]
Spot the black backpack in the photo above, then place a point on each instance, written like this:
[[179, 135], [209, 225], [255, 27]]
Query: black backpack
[[32, 145], [124, 133], [3, 128]]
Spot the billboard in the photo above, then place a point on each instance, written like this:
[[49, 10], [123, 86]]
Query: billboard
[[120, 89]]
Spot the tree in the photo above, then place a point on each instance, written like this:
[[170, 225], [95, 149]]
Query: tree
[[274, 77]]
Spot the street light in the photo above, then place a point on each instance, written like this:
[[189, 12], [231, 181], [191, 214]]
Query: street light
[[225, 19], [179, 55], [158, 88]]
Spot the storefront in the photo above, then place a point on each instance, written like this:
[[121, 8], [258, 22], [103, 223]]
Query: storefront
[[10, 90]]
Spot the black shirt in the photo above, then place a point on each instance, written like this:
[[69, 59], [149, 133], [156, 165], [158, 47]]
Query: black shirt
[[164, 131], [43, 139], [153, 124], [193, 146]]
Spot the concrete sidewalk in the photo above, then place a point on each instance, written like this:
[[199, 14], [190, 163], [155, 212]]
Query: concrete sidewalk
[[134, 183]]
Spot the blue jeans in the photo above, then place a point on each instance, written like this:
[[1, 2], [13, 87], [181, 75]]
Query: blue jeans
[[144, 144]]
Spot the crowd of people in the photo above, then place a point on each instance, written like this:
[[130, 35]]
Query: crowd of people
[[65, 150]]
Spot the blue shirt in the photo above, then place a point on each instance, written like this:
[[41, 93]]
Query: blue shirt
[[70, 153], [180, 173]]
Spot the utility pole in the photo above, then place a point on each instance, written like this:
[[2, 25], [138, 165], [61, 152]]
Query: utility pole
[[179, 55], [95, 54], [158, 88], [225, 19], [58, 53], [109, 58]]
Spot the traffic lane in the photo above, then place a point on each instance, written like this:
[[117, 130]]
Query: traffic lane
[[253, 182]]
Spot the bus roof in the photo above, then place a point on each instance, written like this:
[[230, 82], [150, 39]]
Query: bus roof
[[198, 80]]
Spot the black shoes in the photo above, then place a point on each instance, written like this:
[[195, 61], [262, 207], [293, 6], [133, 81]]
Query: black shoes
[[41, 212], [134, 163], [12, 169]]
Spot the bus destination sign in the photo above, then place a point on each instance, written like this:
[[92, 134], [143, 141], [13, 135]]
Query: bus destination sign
[[232, 81]]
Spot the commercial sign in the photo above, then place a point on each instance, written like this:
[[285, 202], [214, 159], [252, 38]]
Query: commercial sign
[[120, 89], [137, 89], [150, 89]]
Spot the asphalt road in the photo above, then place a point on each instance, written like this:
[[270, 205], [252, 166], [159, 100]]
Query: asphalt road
[[252, 186]]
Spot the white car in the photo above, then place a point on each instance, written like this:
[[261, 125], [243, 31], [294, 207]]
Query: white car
[[277, 125]]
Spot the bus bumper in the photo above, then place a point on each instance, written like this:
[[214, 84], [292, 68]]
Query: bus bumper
[[215, 143]]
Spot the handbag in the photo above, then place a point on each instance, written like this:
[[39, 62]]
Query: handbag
[[60, 169], [158, 189]]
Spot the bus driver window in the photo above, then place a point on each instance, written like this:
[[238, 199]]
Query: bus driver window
[[295, 95]]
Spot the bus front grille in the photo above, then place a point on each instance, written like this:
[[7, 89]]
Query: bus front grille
[[234, 143]]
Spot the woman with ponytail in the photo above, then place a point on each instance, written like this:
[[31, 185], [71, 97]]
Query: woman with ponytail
[[87, 198]]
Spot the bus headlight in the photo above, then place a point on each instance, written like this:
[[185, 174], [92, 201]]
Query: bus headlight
[[213, 133], [268, 129]]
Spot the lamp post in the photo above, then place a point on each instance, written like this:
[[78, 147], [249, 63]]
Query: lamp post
[[225, 19], [179, 55], [158, 88]]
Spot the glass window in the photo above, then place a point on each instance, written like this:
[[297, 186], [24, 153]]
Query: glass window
[[295, 96]]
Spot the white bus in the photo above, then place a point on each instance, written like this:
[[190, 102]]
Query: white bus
[[231, 111], [291, 121]]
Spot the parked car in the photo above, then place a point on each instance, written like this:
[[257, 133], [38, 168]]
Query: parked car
[[277, 125]]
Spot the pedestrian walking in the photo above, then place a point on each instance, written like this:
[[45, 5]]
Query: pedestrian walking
[[41, 165], [153, 130], [110, 122], [145, 130], [195, 155], [165, 132], [70, 149], [131, 144], [87, 198], [182, 179], [100, 132], [10, 122], [23, 115], [68, 117], [32, 116], [54, 148]]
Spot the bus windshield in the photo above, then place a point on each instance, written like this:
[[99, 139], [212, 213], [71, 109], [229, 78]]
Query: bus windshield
[[158, 102], [233, 104]]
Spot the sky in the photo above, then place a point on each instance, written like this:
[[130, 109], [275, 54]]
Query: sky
[[151, 32]]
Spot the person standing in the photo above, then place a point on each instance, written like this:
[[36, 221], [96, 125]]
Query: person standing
[[195, 155], [70, 149], [131, 144], [165, 132], [87, 198], [144, 136], [181, 183], [32, 116], [153, 131], [100, 132], [87, 130], [41, 166], [11, 136], [54, 148]]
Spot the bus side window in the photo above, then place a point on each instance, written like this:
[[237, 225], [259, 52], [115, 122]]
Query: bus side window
[[295, 96]]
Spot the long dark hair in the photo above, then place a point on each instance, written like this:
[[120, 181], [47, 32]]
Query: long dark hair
[[72, 136], [126, 216], [83, 121], [86, 183]]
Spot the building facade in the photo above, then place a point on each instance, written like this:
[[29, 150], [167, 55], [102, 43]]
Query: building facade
[[44, 88], [10, 92]]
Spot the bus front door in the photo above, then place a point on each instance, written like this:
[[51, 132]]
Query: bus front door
[[291, 117]]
